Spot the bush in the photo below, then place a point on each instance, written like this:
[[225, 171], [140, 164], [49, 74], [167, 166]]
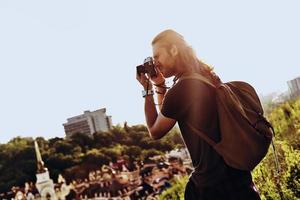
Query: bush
[[176, 191]]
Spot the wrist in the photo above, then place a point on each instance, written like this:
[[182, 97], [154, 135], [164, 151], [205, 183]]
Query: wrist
[[148, 85], [147, 93]]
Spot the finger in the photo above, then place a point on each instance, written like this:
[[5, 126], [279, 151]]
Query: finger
[[158, 71], [147, 75], [143, 79], [138, 76]]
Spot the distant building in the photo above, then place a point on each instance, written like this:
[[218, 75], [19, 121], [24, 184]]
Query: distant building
[[294, 87], [88, 123]]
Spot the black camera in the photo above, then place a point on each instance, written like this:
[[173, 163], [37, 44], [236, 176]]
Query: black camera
[[147, 67]]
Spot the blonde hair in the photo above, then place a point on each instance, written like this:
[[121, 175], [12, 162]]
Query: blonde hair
[[186, 54]]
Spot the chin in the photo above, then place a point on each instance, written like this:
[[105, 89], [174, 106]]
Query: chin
[[167, 73]]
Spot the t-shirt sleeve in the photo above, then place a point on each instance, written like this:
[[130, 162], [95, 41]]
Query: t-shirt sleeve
[[185, 98], [173, 106]]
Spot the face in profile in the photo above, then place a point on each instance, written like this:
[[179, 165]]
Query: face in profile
[[164, 60]]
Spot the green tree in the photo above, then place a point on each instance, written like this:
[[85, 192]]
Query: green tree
[[103, 139], [176, 191], [82, 140], [95, 156]]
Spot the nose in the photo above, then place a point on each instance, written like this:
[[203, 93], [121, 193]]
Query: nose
[[158, 67], [156, 63]]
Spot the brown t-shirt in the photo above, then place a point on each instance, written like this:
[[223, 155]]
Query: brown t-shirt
[[194, 101]]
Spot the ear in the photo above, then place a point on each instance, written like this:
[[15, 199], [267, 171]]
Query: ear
[[174, 50]]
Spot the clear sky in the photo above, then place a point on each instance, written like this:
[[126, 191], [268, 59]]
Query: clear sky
[[59, 58]]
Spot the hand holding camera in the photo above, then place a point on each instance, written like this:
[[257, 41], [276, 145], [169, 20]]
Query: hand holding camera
[[147, 71]]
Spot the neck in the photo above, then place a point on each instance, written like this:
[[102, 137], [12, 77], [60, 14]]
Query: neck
[[183, 68], [181, 73], [185, 72]]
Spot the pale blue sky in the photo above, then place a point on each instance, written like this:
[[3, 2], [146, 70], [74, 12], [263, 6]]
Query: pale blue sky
[[59, 58]]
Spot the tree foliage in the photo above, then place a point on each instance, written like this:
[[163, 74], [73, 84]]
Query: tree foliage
[[78, 153], [285, 185], [176, 191]]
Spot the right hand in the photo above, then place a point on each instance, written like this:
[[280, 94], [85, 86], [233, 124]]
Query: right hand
[[144, 81]]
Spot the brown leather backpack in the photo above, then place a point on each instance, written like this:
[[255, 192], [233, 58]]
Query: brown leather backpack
[[245, 133]]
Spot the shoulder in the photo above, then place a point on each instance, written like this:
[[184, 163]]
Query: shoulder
[[190, 86], [186, 97]]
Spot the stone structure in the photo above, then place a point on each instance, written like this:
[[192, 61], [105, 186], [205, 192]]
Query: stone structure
[[44, 184]]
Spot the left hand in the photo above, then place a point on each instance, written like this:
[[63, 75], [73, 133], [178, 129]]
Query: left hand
[[158, 79]]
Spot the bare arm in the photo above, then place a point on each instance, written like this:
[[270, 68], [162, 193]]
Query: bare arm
[[157, 124]]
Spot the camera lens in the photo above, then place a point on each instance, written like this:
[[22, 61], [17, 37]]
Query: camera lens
[[148, 59]]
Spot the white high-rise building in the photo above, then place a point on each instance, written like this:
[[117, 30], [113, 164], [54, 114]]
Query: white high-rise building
[[88, 123], [294, 87]]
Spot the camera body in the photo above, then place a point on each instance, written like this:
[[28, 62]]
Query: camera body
[[147, 67]]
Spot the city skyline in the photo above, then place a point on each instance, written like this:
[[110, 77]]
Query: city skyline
[[60, 58]]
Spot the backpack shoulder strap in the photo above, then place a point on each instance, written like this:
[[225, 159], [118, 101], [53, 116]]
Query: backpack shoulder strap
[[197, 77]]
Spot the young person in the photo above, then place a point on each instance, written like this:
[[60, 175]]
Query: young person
[[191, 101]]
